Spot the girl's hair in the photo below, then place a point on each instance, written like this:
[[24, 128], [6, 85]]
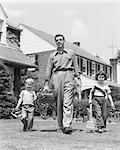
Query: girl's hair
[[101, 73]]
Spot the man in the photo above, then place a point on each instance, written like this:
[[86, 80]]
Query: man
[[62, 66]]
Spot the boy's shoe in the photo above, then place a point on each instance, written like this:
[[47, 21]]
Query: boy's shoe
[[100, 130], [24, 121], [67, 130]]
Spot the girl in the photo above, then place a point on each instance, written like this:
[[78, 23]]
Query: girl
[[99, 94]]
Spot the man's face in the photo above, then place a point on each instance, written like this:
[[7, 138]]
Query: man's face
[[59, 41]]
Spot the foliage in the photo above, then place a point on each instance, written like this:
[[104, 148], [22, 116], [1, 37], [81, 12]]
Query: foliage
[[115, 92], [45, 104], [24, 74], [118, 54], [7, 100]]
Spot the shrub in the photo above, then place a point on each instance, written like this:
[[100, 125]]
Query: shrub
[[7, 100], [115, 91]]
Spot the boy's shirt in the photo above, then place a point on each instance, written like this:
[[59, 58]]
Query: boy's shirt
[[105, 88], [28, 97]]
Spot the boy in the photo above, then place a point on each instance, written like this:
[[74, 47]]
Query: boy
[[27, 98], [98, 96]]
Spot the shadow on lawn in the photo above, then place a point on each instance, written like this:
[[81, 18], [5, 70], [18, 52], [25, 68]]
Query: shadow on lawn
[[32, 130], [55, 130]]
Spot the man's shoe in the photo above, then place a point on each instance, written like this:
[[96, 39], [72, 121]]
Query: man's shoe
[[67, 130], [24, 129]]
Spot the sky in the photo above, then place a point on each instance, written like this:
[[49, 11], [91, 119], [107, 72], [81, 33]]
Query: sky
[[95, 24]]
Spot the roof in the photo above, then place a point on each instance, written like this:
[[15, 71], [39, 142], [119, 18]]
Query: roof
[[3, 11], [78, 50], [15, 56]]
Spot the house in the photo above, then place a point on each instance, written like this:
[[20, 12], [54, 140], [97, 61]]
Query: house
[[10, 53], [38, 45]]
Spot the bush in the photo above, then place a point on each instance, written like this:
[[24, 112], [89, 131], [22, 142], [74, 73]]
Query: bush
[[115, 92], [80, 108], [7, 100], [45, 103]]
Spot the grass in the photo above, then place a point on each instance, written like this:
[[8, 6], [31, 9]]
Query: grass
[[45, 137]]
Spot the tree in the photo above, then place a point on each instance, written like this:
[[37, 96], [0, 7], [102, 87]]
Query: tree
[[7, 99]]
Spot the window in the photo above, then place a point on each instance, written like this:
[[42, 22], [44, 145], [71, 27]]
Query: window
[[1, 24], [84, 66], [0, 35], [101, 67], [93, 68], [78, 61], [34, 58], [98, 68], [108, 72], [105, 69]]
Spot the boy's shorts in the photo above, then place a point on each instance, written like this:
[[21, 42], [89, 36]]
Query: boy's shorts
[[27, 111]]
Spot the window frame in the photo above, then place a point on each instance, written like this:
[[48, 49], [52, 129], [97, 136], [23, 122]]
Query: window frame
[[84, 66], [93, 68]]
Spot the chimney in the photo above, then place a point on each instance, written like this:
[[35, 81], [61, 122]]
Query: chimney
[[76, 43]]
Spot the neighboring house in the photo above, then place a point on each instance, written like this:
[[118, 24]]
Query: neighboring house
[[10, 53], [38, 45], [115, 63]]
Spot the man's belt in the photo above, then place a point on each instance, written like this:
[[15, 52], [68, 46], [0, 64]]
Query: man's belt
[[98, 96], [64, 69]]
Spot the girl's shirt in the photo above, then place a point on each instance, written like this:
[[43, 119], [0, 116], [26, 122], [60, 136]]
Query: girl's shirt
[[101, 89], [28, 97]]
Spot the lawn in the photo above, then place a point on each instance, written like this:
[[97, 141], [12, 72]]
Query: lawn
[[45, 137]]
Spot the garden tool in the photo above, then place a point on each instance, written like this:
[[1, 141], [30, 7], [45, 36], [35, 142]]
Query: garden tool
[[90, 124], [16, 113]]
